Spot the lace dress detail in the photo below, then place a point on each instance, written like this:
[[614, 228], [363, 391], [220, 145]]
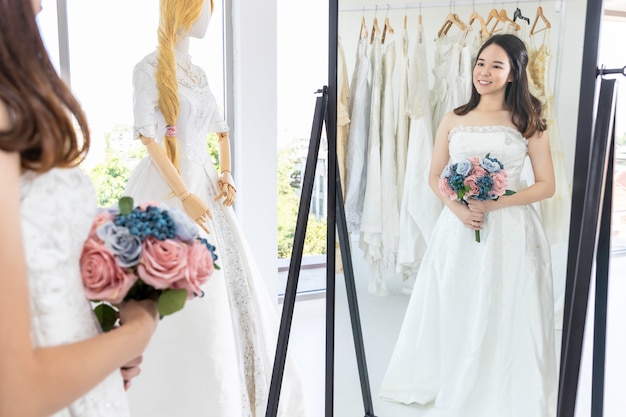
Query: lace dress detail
[[193, 88], [225, 341], [477, 339], [57, 210]]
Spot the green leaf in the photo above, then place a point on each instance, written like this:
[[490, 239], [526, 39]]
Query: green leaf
[[170, 301], [107, 316], [509, 192], [126, 205]]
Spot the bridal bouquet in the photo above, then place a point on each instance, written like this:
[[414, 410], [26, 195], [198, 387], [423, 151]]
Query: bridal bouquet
[[479, 178], [140, 252]]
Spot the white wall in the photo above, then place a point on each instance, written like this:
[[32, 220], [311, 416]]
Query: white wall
[[254, 50]]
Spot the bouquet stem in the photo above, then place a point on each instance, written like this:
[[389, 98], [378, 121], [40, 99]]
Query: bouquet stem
[[477, 235]]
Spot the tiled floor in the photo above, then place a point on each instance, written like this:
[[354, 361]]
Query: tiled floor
[[381, 318]]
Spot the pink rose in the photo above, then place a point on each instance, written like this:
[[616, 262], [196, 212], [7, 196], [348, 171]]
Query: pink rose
[[479, 171], [100, 218], [445, 189], [164, 262], [199, 269], [470, 181], [499, 183], [103, 278]]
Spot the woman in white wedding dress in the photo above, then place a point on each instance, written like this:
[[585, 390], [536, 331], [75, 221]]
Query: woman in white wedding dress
[[53, 359], [478, 335], [224, 343]]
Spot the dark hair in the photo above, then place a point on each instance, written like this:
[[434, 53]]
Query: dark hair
[[40, 105], [525, 107]]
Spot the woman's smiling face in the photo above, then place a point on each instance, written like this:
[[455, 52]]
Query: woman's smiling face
[[492, 71]]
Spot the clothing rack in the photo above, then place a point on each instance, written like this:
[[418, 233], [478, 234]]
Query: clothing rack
[[442, 4], [559, 7]]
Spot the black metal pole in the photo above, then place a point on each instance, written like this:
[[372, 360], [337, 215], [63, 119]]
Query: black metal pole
[[602, 280], [577, 285], [331, 135], [296, 255], [585, 255]]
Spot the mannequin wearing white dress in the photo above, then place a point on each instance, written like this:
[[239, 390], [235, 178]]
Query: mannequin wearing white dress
[[223, 343]]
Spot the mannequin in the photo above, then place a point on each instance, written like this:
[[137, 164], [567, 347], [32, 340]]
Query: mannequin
[[215, 357]]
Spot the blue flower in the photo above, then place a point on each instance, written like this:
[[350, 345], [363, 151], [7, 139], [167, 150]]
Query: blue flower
[[186, 229], [152, 221], [125, 246], [485, 185], [456, 182], [210, 247], [463, 167], [492, 165]]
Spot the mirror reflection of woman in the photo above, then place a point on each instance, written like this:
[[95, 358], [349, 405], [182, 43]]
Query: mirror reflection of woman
[[54, 359], [477, 339], [215, 357]]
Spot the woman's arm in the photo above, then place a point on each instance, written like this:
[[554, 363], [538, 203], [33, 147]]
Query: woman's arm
[[40, 381], [441, 158], [541, 159]]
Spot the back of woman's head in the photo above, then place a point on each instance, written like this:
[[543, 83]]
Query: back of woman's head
[[39, 104], [525, 108]]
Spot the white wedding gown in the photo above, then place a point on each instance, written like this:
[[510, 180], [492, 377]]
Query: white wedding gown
[[215, 357], [478, 335], [57, 210]]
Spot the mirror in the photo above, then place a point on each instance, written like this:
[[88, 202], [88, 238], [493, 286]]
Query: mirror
[[383, 300]]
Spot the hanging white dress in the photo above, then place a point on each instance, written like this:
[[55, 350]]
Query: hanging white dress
[[453, 75], [555, 211], [370, 240], [380, 222], [215, 357], [389, 199], [356, 154], [420, 206], [402, 128], [477, 338], [343, 114], [57, 211]]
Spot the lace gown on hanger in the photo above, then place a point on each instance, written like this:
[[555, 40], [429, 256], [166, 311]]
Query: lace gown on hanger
[[57, 210], [215, 357], [356, 154], [555, 210], [478, 335], [380, 221], [420, 207]]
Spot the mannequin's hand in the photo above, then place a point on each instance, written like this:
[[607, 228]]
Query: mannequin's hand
[[197, 210], [226, 185]]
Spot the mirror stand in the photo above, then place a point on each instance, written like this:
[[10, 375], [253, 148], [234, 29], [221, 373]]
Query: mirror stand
[[321, 114]]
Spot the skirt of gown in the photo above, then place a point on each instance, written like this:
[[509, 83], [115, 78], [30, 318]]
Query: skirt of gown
[[215, 357], [478, 336]]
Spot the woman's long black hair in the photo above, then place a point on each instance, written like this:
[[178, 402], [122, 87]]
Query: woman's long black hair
[[526, 108]]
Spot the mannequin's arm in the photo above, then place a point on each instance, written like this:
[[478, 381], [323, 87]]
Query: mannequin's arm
[[194, 207], [225, 182]]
